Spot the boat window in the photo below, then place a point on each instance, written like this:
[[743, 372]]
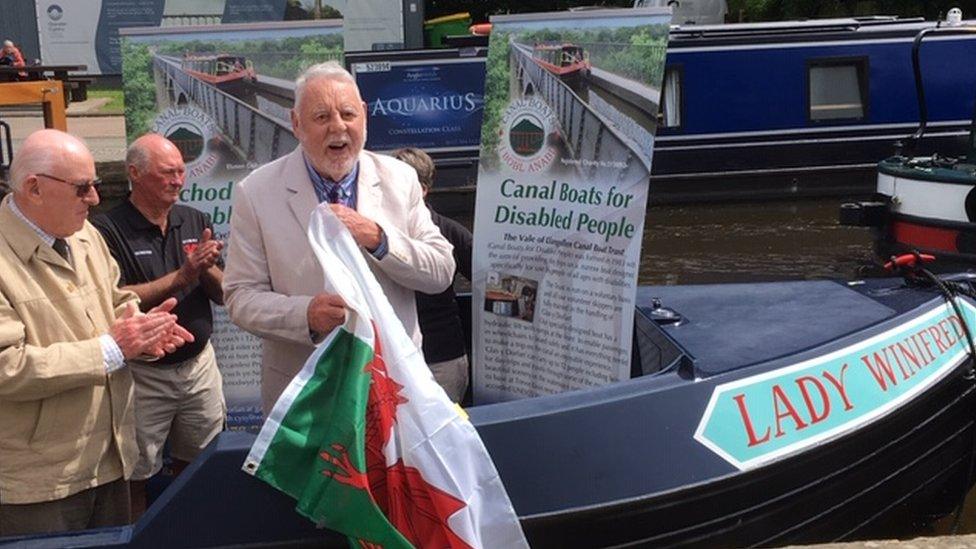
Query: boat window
[[671, 98], [838, 89]]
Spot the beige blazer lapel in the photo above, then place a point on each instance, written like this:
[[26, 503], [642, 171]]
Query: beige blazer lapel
[[303, 200], [79, 245], [368, 194]]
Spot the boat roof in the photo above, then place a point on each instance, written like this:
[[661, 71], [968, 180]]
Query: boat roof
[[732, 326], [806, 25], [811, 30]]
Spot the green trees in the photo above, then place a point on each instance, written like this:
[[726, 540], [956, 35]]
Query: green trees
[[496, 97], [284, 58], [138, 88], [635, 52]]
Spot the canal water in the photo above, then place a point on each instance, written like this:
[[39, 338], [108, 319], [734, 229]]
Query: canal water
[[753, 241]]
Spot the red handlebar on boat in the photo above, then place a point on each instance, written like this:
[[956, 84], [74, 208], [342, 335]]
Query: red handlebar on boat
[[908, 260]]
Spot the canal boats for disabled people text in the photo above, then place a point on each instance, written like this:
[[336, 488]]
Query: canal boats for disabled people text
[[759, 419], [562, 193]]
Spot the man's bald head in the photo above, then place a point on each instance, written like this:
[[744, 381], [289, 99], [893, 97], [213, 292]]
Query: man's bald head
[[52, 179], [42, 151], [140, 152]]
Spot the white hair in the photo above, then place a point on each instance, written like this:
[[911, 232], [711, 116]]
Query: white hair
[[42, 152], [8, 44], [330, 70], [30, 161]]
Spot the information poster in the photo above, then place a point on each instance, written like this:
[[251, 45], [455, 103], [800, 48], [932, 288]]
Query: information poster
[[222, 95], [562, 190], [86, 32]]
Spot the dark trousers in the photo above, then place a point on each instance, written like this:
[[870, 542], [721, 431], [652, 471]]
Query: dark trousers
[[105, 505]]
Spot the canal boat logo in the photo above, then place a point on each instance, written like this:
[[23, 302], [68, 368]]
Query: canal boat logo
[[55, 12], [194, 134], [527, 131], [760, 419]]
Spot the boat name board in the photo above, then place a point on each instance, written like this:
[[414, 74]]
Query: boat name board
[[759, 419]]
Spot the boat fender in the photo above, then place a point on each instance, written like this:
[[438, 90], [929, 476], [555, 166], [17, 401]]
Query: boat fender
[[907, 263], [864, 214]]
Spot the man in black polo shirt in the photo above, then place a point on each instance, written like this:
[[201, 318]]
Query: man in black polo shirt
[[166, 250]]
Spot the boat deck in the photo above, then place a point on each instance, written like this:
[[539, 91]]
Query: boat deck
[[731, 326]]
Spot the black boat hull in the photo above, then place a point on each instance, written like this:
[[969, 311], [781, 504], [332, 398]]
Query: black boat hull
[[907, 470], [625, 465]]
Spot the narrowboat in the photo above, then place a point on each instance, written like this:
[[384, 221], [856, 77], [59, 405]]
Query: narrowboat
[[567, 61], [756, 415], [229, 73], [802, 108]]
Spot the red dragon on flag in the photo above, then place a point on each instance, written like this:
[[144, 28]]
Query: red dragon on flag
[[417, 509]]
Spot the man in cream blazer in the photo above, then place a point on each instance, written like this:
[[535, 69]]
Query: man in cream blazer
[[67, 437], [273, 283]]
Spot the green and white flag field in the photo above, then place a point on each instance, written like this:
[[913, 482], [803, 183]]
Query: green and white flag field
[[367, 442]]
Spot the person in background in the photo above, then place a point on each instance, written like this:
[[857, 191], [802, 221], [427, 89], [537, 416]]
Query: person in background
[[273, 284], [10, 56], [67, 431], [440, 320], [167, 250]]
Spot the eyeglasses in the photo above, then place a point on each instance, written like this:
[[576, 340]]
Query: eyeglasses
[[81, 189]]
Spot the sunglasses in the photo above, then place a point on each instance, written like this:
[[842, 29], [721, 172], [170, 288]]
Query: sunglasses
[[81, 189]]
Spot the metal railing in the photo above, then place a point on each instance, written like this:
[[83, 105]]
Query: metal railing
[[255, 136], [641, 138], [587, 134]]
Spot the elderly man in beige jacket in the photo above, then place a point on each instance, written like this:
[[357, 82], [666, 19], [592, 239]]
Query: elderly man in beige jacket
[[67, 438], [273, 284]]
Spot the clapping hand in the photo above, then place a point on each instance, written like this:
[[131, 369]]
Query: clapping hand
[[204, 255], [155, 333]]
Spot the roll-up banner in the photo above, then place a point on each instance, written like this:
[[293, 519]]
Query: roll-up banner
[[571, 100], [222, 94]]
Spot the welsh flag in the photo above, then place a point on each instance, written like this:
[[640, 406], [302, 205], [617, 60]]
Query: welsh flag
[[364, 438]]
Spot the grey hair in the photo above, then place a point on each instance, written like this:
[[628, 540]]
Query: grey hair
[[137, 155], [330, 70], [7, 44]]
